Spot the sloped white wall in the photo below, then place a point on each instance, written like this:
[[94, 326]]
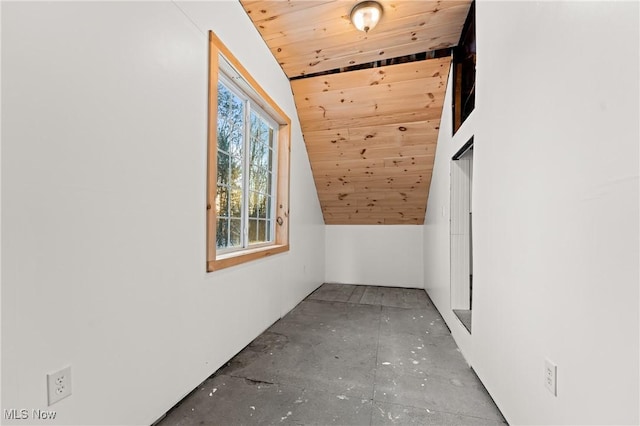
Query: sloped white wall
[[555, 204], [385, 255], [104, 109]]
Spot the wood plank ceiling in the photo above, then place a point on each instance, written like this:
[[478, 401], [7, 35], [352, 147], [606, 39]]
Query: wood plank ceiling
[[370, 133]]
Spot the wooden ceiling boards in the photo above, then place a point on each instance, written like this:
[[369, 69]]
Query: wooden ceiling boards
[[371, 136], [310, 36], [370, 133]]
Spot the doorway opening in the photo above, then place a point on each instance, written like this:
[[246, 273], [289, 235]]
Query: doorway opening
[[461, 234]]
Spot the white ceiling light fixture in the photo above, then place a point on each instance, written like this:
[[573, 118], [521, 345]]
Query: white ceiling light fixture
[[365, 15]]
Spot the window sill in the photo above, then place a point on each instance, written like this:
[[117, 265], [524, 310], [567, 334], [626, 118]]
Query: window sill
[[237, 258]]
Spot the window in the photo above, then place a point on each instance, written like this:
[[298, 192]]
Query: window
[[245, 181], [248, 166]]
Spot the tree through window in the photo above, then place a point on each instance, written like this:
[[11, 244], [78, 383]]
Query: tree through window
[[245, 172]]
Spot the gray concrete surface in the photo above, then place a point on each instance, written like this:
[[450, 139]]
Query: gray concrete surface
[[464, 315], [346, 355]]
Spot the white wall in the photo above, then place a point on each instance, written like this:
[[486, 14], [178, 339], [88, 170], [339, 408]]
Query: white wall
[[389, 255], [104, 109], [555, 204], [437, 240]]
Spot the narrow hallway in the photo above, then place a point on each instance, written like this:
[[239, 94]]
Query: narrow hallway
[[346, 355]]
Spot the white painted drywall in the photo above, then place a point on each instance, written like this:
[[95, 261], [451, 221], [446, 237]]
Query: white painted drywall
[[437, 238], [104, 114], [386, 255], [555, 202]]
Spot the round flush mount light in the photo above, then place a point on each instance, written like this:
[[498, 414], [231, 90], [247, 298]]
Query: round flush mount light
[[366, 15]]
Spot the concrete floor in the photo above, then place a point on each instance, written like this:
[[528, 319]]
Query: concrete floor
[[346, 355], [464, 315]]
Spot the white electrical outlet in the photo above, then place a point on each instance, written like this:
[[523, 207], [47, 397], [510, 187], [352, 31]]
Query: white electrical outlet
[[58, 385], [550, 377]]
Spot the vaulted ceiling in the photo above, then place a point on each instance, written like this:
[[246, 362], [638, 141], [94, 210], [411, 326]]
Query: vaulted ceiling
[[369, 103]]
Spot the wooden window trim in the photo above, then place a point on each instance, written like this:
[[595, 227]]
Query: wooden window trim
[[281, 244]]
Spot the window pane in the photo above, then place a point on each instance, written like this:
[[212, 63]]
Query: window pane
[[262, 206], [230, 167], [235, 232], [253, 204], [269, 224], [236, 172], [258, 129], [236, 145], [265, 159], [222, 233], [230, 121], [253, 183], [236, 203], [260, 156], [253, 231], [260, 142], [262, 235], [268, 207], [260, 180], [223, 168], [222, 201]]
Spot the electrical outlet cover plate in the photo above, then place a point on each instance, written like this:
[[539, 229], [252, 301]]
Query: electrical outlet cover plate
[[59, 385], [550, 377]]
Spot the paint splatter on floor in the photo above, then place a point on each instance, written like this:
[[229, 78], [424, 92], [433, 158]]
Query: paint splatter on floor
[[282, 419], [297, 363]]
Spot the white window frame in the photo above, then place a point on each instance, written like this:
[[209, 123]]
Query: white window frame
[[251, 106]]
